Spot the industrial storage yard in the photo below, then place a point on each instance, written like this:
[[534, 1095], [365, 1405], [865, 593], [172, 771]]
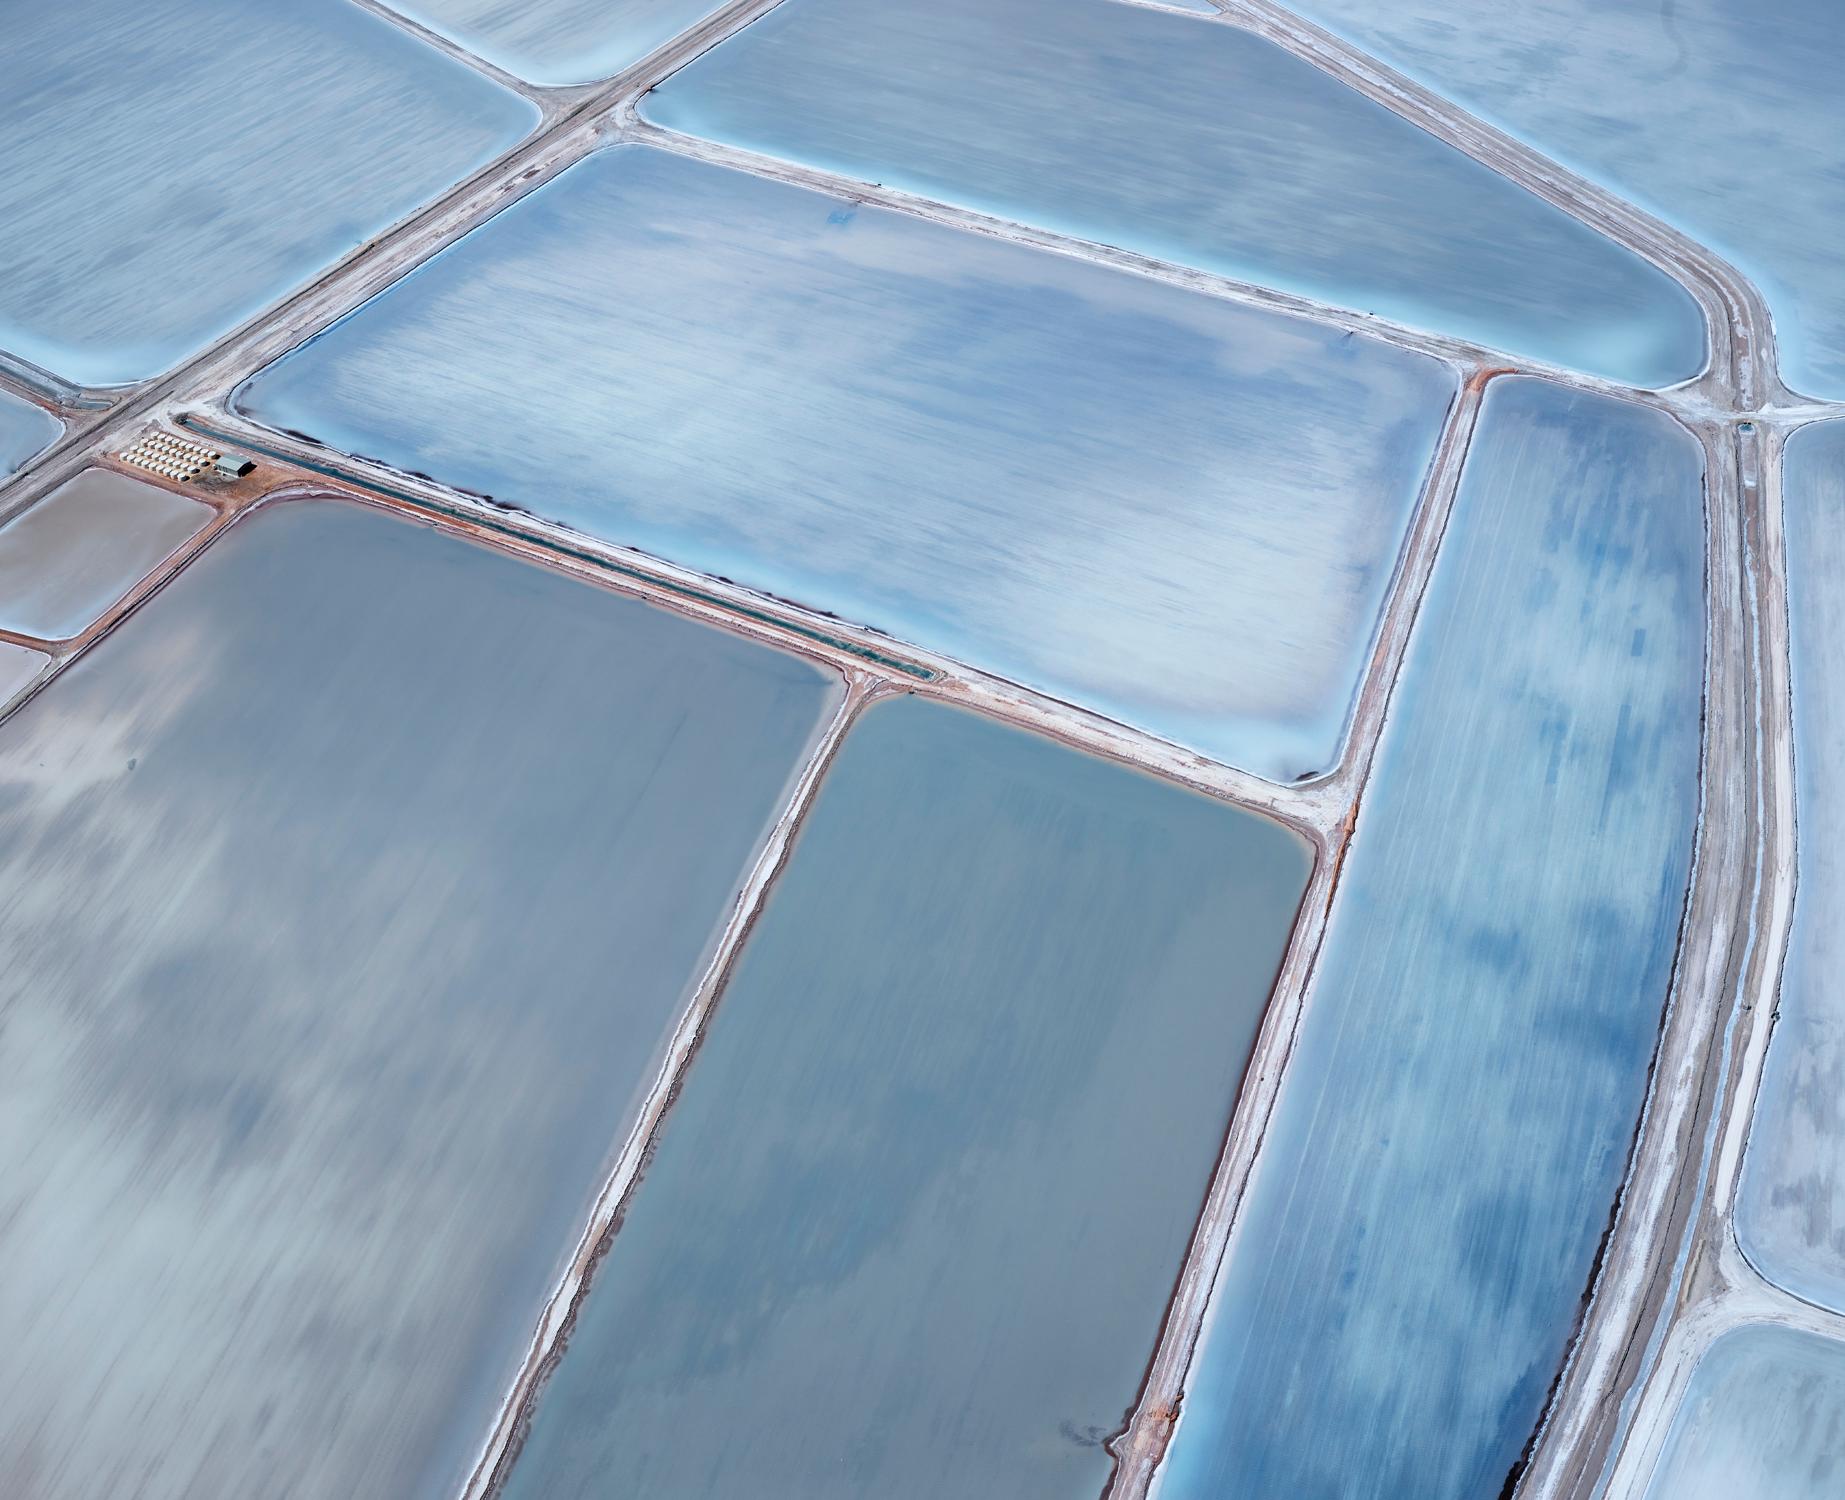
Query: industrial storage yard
[[998, 748]]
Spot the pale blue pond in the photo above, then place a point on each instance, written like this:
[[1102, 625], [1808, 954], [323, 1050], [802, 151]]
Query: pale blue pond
[[1720, 116], [1199, 144], [346, 896], [556, 42], [19, 669], [1458, 1111], [1763, 1419], [913, 1222], [174, 166], [85, 545], [1790, 1215], [1173, 509], [26, 431]]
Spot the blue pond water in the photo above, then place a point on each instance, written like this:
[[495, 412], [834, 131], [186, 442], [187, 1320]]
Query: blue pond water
[[1179, 511], [1456, 1117], [555, 42], [1719, 116], [346, 894], [174, 166], [1763, 1419], [913, 1222], [25, 431], [1790, 1215], [1200, 144]]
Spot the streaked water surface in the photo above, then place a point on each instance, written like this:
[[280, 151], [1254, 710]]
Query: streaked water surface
[[19, 669], [914, 1220], [174, 166], [1182, 512], [1458, 1111], [1790, 1213], [555, 42], [77, 551], [1763, 1419], [1720, 116], [345, 897], [26, 431], [1199, 144]]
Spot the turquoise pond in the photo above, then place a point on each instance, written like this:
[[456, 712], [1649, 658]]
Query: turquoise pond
[[1762, 1417], [1178, 511], [1719, 116], [555, 43], [1790, 1212], [148, 208], [1457, 1114], [1200, 144], [921, 750]]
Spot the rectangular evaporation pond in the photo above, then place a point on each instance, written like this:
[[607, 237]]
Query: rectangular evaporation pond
[[1202, 145], [85, 545], [1762, 1419], [25, 432], [913, 1221], [1790, 1214], [558, 42], [1457, 1116], [19, 669], [346, 897], [1178, 511], [1646, 98], [174, 166]]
